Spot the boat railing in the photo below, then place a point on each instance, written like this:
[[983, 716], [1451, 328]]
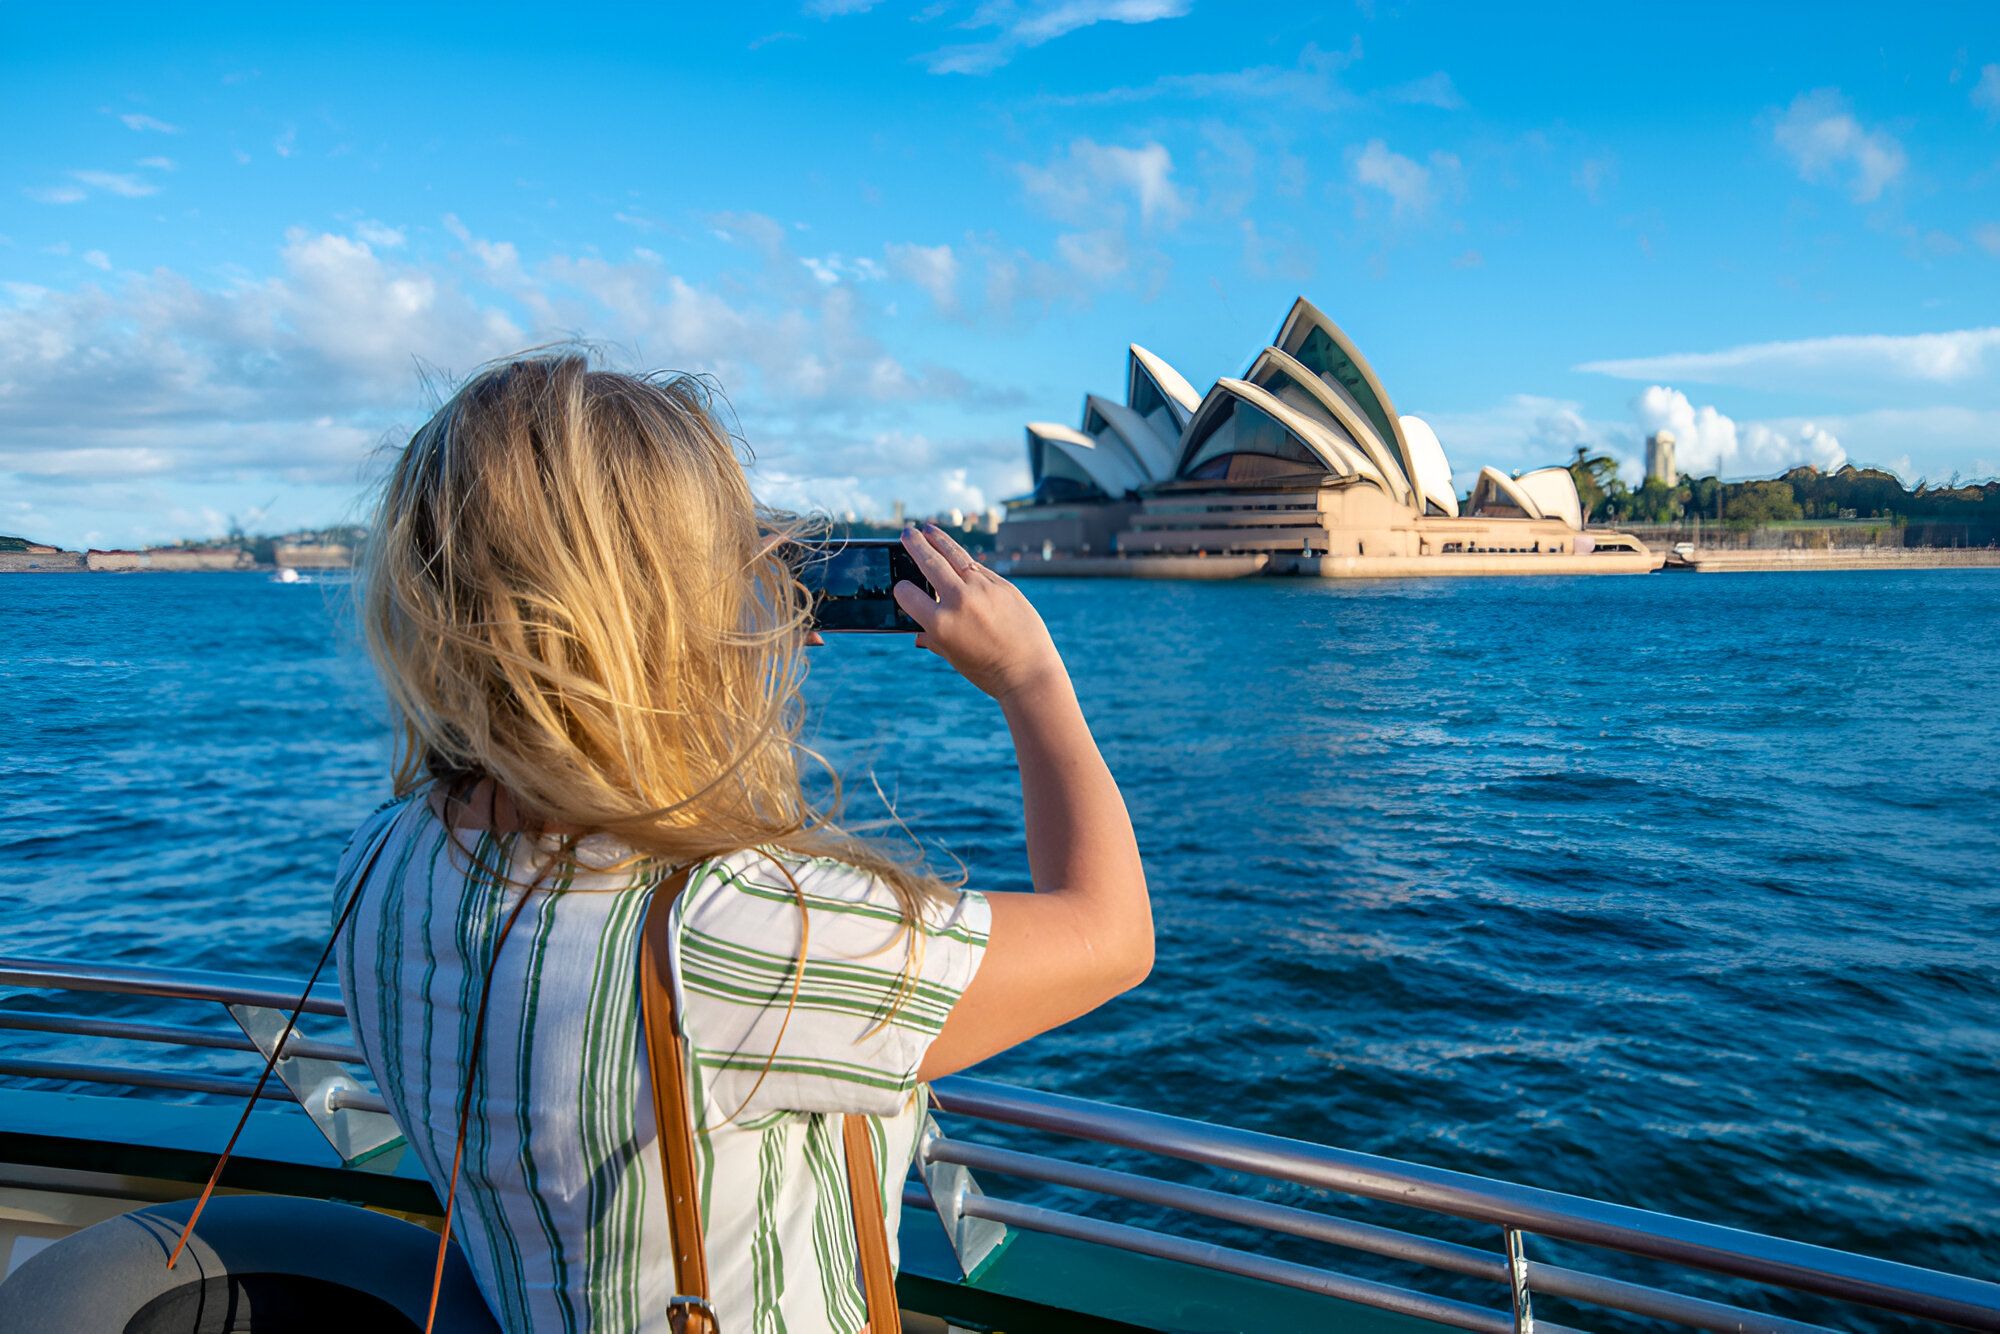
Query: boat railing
[[320, 1074]]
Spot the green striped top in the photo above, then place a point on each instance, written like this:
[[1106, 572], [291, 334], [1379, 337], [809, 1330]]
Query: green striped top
[[560, 1207]]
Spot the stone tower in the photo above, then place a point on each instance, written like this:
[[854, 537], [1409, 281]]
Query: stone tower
[[1660, 458]]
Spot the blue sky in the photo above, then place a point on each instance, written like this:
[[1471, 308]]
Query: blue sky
[[240, 249]]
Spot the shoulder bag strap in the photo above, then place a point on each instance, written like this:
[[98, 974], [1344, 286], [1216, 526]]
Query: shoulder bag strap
[[674, 1120], [871, 1229]]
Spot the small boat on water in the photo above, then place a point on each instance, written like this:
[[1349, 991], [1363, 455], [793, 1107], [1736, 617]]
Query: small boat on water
[[321, 1223]]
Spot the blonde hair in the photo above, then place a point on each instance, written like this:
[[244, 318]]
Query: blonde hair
[[568, 588]]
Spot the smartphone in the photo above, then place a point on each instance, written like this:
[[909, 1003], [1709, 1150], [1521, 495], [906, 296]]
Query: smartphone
[[852, 581]]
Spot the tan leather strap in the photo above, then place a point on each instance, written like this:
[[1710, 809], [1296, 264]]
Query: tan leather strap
[[673, 1119], [871, 1229]]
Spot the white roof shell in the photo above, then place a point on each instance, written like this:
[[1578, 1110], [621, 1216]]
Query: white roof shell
[[1274, 364], [1351, 372], [1116, 426], [1433, 468], [1554, 491], [1182, 400], [1340, 457], [1494, 487], [1112, 470]]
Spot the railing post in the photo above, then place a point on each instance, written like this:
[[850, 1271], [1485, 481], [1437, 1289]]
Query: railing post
[[973, 1239], [323, 1088], [1517, 1274]]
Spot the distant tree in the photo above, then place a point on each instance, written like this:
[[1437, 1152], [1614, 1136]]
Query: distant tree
[[1753, 504], [1656, 502], [1701, 494], [1602, 495]]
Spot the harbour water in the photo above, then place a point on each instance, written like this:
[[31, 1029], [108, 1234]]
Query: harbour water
[[1674, 891]]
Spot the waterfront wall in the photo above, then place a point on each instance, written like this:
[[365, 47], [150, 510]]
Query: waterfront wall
[[38, 562], [1812, 535], [169, 558]]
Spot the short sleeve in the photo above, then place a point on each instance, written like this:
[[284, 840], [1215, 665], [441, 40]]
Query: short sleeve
[[845, 1033]]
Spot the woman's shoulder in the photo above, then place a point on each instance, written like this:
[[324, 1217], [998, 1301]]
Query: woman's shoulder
[[773, 885], [374, 828]]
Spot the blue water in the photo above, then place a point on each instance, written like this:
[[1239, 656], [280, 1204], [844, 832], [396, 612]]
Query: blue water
[[1676, 890]]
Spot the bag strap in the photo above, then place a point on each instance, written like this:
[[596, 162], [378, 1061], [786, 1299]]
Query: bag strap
[[871, 1229], [284, 1036], [673, 1119]]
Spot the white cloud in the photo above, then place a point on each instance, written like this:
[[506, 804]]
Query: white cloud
[[933, 268], [157, 163], [1524, 431], [97, 259], [82, 184], [1098, 257], [1089, 183], [139, 120], [157, 385], [1828, 144], [1958, 357], [1024, 25], [1932, 442], [1707, 441], [380, 234], [1531, 431], [118, 183], [1412, 187], [1308, 85], [1593, 174], [286, 144], [1987, 237], [1986, 93], [1433, 90], [837, 268]]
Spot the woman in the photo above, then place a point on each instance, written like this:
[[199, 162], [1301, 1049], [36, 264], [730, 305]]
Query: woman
[[592, 645]]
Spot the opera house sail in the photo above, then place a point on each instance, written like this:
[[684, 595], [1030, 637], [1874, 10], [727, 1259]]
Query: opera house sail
[[1301, 466]]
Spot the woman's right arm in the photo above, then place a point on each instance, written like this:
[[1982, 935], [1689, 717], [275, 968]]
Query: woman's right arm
[[1086, 933]]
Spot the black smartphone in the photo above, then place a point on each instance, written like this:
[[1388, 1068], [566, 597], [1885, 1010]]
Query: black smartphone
[[853, 582]]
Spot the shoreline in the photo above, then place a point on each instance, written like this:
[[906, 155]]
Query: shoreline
[[1701, 561], [1727, 561]]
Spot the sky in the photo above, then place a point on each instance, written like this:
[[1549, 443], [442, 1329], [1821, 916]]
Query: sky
[[243, 252]]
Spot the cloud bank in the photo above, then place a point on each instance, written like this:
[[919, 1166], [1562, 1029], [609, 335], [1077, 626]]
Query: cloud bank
[[1957, 357]]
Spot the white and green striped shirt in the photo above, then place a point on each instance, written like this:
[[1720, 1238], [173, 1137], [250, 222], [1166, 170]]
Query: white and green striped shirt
[[560, 1206]]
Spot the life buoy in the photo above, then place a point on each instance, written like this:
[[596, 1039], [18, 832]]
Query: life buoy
[[257, 1264]]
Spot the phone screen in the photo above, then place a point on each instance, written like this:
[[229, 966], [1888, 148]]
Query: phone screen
[[852, 581]]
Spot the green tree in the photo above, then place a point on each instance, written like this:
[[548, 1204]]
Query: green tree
[[1754, 504], [1597, 486], [1656, 502]]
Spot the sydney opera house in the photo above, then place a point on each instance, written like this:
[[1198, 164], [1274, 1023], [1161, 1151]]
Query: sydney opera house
[[1302, 466]]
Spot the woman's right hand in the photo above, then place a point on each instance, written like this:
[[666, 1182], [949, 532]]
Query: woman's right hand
[[979, 622]]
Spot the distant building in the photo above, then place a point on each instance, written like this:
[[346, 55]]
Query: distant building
[[169, 558], [1660, 458], [1302, 466], [312, 555]]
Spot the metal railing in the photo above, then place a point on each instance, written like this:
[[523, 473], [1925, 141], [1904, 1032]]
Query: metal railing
[[1516, 1211], [977, 1222]]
